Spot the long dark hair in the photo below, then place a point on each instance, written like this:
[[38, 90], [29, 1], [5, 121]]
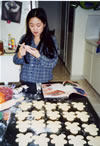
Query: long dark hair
[[46, 39]]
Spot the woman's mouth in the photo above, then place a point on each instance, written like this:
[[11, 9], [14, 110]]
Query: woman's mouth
[[35, 32]]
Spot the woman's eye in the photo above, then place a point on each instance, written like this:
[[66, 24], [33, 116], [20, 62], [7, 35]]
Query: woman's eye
[[38, 25], [32, 26]]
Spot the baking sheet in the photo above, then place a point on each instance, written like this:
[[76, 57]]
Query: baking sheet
[[12, 131]]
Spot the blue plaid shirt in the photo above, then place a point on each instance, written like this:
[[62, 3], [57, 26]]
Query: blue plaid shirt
[[38, 70]]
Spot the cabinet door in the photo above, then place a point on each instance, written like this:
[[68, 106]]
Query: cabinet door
[[9, 71], [88, 65], [96, 72]]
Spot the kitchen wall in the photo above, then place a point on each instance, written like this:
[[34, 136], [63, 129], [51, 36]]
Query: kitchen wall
[[15, 29]]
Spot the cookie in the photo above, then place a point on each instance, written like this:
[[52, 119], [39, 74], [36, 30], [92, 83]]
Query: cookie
[[79, 106], [73, 127], [21, 115], [38, 126], [93, 141], [77, 140], [63, 106], [38, 104], [83, 116], [70, 116], [22, 126], [53, 115], [58, 139], [25, 105], [24, 139], [38, 114], [53, 126], [41, 140], [50, 106], [91, 129]]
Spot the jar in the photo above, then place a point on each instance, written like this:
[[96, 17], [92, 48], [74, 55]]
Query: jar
[[9, 41], [1, 48], [13, 44]]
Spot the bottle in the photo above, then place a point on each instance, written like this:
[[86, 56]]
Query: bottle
[[9, 41], [13, 43]]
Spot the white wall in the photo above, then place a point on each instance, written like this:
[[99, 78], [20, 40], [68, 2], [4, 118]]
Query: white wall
[[93, 27], [81, 22], [15, 29]]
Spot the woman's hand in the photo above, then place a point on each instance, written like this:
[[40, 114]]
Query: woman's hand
[[22, 51], [33, 51]]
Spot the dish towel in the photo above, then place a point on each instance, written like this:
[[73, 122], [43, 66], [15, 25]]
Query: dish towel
[[98, 49]]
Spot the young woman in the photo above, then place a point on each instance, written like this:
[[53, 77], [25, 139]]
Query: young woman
[[37, 53]]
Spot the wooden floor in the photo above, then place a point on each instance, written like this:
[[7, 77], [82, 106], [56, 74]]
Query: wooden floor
[[61, 74]]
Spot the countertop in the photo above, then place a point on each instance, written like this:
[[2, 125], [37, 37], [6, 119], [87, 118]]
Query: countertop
[[92, 42], [8, 52]]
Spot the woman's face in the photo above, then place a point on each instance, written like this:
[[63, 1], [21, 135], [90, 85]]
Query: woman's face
[[36, 26]]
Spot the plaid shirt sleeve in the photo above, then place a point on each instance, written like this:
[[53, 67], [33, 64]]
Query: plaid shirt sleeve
[[46, 62], [18, 61]]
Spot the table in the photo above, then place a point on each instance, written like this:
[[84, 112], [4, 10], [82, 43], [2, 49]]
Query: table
[[48, 132], [12, 131]]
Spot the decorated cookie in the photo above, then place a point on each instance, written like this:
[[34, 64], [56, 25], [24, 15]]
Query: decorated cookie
[[79, 106], [58, 140], [41, 139], [24, 139], [73, 127], [64, 106], [83, 116], [70, 116], [91, 129], [93, 141], [77, 140]]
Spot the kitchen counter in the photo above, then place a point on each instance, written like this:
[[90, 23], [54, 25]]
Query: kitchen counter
[[92, 42]]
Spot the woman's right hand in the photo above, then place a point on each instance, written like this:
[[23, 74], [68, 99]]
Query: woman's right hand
[[22, 51]]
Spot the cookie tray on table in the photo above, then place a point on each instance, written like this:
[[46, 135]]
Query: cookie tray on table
[[54, 122]]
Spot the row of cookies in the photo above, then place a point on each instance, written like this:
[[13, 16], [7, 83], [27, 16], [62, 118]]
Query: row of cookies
[[57, 140], [51, 106]]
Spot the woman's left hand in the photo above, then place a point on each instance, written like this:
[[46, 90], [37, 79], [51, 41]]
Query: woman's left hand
[[33, 51]]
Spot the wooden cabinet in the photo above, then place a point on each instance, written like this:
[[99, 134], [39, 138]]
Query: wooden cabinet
[[9, 72], [92, 65]]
